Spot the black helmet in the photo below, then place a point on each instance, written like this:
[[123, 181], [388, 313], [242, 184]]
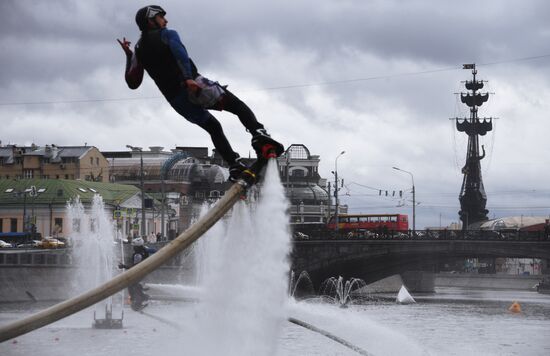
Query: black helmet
[[146, 13]]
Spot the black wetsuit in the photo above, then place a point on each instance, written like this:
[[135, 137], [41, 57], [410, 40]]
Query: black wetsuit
[[165, 59]]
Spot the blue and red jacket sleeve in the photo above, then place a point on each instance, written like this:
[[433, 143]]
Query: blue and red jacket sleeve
[[172, 39]]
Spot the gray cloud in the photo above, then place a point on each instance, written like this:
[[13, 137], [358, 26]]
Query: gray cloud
[[64, 50]]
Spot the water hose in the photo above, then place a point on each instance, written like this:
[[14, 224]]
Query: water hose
[[331, 336], [162, 320]]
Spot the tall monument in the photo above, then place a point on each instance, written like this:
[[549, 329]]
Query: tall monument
[[472, 194]]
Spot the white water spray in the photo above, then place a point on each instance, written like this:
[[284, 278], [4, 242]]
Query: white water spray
[[94, 248], [245, 278]]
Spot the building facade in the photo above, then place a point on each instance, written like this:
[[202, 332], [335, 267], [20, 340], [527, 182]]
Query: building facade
[[53, 162], [188, 177], [184, 178], [176, 185], [41, 206]]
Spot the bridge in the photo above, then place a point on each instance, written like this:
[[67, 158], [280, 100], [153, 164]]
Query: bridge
[[375, 258]]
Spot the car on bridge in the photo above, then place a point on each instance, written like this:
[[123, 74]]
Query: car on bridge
[[31, 244], [50, 242], [4, 244]]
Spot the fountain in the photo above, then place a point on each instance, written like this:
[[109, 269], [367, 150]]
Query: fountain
[[300, 287], [94, 255], [340, 292], [243, 277]]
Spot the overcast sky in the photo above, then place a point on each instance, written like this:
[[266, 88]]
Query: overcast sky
[[394, 66]]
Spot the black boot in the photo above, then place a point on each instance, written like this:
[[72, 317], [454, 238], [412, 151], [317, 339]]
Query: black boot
[[236, 169], [265, 146]]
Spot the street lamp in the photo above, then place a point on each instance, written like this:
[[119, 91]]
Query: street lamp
[[414, 199], [140, 150], [336, 203], [163, 176]]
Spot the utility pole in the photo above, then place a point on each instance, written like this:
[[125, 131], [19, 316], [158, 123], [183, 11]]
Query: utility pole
[[414, 196], [329, 204], [336, 189], [141, 185]]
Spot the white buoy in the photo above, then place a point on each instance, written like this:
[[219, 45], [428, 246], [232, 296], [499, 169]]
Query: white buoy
[[403, 297]]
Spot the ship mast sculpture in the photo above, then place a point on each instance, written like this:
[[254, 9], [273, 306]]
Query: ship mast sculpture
[[472, 194]]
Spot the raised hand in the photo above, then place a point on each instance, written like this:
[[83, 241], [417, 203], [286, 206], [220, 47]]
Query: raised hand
[[125, 44]]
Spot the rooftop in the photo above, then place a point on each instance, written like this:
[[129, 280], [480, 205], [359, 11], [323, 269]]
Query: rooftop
[[59, 191]]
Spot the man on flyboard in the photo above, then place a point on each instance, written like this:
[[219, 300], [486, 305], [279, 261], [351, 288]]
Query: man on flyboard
[[162, 54]]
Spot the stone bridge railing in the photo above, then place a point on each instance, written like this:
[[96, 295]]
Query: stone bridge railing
[[443, 234]]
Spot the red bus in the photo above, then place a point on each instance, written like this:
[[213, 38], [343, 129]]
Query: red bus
[[372, 222]]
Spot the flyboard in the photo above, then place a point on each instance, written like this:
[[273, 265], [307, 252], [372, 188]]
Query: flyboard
[[138, 272]]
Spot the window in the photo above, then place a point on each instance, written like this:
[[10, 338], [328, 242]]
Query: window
[[298, 173], [28, 173], [91, 161], [97, 161], [66, 176], [13, 225], [58, 225], [1, 225]]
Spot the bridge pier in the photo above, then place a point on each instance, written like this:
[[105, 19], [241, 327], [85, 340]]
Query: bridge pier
[[419, 281]]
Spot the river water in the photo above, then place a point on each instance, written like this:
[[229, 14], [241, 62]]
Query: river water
[[450, 322]]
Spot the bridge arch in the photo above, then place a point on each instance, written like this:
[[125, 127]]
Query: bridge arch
[[374, 260]]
